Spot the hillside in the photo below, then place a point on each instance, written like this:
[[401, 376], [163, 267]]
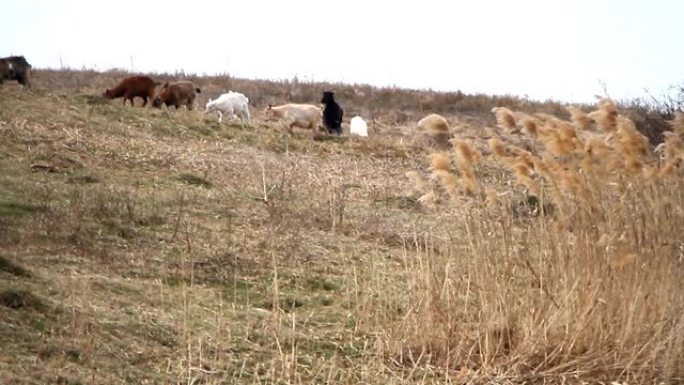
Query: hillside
[[152, 246]]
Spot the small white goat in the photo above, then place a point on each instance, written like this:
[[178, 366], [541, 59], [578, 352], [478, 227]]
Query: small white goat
[[230, 103], [358, 126], [296, 115]]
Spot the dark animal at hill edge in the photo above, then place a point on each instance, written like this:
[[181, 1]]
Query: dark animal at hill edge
[[15, 68], [132, 87], [177, 94], [332, 113], [6, 70]]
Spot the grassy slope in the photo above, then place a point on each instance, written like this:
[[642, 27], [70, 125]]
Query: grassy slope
[[142, 246], [140, 272]]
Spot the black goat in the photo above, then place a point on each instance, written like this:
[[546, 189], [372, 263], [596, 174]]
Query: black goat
[[332, 113]]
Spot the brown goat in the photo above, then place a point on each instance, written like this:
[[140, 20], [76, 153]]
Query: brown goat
[[177, 94], [131, 87]]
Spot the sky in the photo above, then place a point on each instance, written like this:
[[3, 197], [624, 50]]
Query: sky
[[560, 50]]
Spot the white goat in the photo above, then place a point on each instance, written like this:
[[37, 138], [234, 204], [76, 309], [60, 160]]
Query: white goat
[[358, 126], [230, 103], [296, 115]]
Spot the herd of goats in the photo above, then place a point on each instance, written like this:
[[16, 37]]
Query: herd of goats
[[232, 104]]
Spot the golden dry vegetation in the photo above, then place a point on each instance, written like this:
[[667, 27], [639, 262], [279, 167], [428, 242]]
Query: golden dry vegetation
[[154, 246]]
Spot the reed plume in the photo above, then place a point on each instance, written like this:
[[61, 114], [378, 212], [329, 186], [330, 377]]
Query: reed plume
[[605, 116], [674, 147], [530, 125], [466, 153], [467, 157], [448, 181], [579, 118], [630, 142], [440, 161], [678, 124], [524, 176], [505, 119], [498, 147]]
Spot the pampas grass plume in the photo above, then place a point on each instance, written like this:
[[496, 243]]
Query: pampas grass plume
[[678, 124], [572, 183], [579, 118], [448, 181], [567, 131], [526, 157], [531, 126], [497, 147], [466, 153], [440, 161], [555, 143], [470, 183], [523, 175], [505, 118], [605, 116], [631, 142], [674, 147], [540, 168], [666, 170]]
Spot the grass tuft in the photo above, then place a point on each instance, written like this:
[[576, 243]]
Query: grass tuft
[[84, 179], [21, 299], [15, 209], [194, 180], [12, 268]]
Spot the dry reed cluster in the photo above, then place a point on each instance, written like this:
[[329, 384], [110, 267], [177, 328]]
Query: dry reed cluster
[[570, 157], [587, 288]]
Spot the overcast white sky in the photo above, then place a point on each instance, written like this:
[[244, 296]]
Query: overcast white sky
[[544, 49]]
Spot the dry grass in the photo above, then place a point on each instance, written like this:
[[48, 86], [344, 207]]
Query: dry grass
[[153, 246], [577, 276]]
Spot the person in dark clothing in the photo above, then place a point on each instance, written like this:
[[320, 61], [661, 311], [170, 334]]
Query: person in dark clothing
[[332, 113]]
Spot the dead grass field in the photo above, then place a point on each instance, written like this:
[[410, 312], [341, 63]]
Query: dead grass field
[[146, 246]]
